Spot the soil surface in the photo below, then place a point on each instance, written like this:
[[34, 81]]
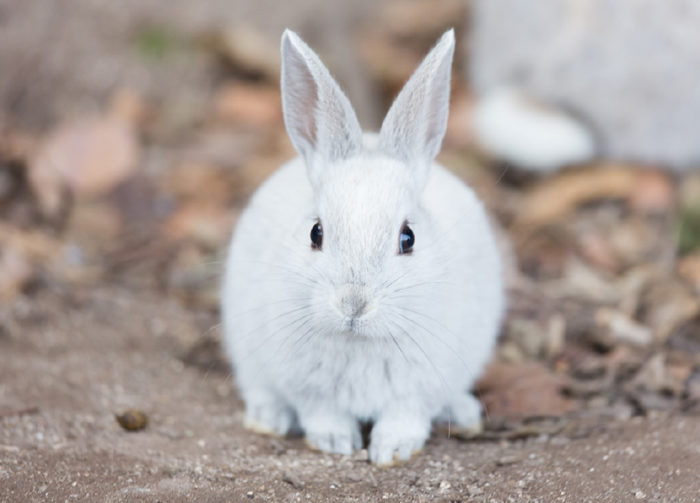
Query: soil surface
[[71, 360]]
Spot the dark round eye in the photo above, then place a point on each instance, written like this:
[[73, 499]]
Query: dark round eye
[[406, 239], [316, 236]]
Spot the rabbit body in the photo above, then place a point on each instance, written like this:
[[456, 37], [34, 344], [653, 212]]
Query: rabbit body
[[325, 337]]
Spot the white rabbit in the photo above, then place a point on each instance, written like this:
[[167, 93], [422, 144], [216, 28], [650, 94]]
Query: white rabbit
[[363, 282]]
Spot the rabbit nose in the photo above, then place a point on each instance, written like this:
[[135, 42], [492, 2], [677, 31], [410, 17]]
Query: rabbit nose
[[352, 300]]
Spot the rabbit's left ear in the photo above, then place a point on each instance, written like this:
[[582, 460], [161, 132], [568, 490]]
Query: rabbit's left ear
[[319, 118], [415, 125]]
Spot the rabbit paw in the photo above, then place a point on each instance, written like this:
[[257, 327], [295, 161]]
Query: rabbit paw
[[395, 441], [269, 417], [336, 434], [463, 413]]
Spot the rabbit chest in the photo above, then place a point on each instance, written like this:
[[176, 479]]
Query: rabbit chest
[[360, 376]]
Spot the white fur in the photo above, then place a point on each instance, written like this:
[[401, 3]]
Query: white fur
[[323, 339], [528, 134]]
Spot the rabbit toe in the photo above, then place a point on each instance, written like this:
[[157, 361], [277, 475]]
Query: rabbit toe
[[336, 442], [269, 418], [395, 451], [338, 434], [397, 441], [463, 413]]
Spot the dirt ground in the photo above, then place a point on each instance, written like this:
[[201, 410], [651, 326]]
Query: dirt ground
[[132, 135], [77, 358]]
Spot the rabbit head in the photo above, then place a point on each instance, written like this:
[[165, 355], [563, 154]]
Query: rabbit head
[[368, 230]]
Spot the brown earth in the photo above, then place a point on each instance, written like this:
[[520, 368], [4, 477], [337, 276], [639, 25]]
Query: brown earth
[[71, 360]]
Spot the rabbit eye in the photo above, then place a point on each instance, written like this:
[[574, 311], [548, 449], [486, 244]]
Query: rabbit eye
[[316, 236], [406, 240]]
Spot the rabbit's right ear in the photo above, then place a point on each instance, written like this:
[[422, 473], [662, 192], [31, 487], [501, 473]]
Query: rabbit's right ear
[[416, 122], [319, 118]]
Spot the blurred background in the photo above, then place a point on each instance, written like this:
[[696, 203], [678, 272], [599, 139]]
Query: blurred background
[[133, 132]]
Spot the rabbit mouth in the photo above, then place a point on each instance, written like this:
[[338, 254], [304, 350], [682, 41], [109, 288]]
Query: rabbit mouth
[[352, 301], [353, 304], [354, 324], [351, 325]]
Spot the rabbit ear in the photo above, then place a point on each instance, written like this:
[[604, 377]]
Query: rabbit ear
[[319, 118], [415, 125]]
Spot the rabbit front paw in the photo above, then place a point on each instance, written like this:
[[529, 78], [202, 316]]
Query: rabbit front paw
[[396, 440], [268, 416], [462, 414], [334, 433]]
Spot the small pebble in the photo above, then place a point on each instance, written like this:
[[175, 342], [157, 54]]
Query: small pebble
[[474, 491], [132, 420], [292, 479], [507, 460], [445, 486], [277, 447]]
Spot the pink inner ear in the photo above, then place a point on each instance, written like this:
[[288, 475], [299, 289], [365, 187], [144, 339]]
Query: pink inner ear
[[301, 99], [438, 101], [414, 127], [319, 118]]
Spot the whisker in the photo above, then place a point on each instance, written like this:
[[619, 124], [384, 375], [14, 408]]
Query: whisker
[[422, 283], [274, 333], [304, 339], [428, 359], [267, 322], [431, 333], [287, 267], [386, 284], [398, 346], [234, 316]]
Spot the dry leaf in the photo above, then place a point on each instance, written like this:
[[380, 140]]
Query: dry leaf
[[206, 224], [130, 107], [36, 245], [520, 391], [689, 270], [581, 362], [201, 183], [658, 376], [624, 360], [17, 145], [250, 105], [616, 327], [598, 252], [534, 339], [653, 193], [667, 305], [94, 224], [585, 284], [248, 50], [87, 157], [557, 196], [16, 271]]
